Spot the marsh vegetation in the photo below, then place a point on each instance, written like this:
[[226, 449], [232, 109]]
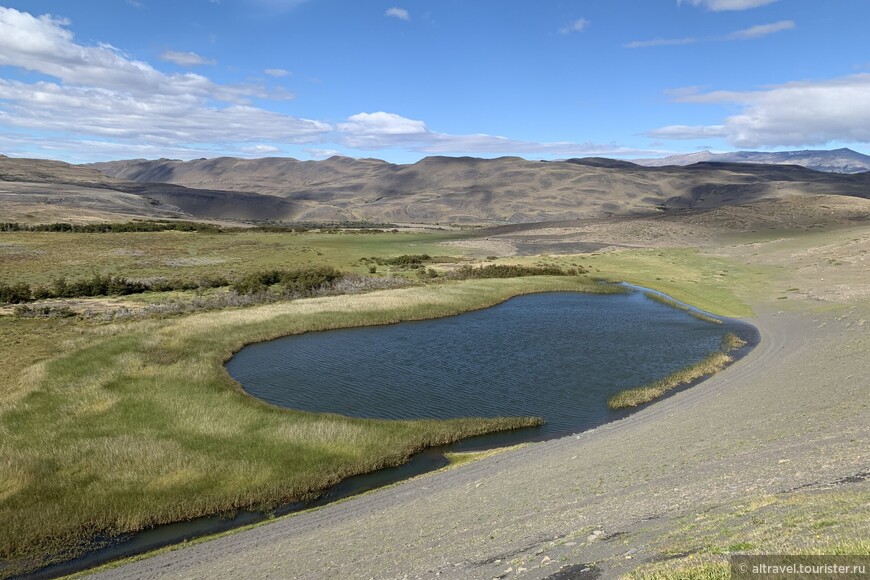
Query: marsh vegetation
[[709, 365]]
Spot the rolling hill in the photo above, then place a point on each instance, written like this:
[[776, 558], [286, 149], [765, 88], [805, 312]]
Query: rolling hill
[[467, 190], [446, 190], [43, 191]]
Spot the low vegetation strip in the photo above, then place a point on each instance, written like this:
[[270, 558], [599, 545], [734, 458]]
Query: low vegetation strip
[[711, 364], [511, 271], [296, 281], [667, 300], [136, 424]]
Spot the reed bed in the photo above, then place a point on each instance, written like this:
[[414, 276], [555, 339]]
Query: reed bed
[[668, 301], [709, 365]]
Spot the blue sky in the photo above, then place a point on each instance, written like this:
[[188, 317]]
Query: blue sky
[[399, 80]]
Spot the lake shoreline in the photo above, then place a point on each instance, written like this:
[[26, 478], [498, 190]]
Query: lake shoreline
[[430, 459]]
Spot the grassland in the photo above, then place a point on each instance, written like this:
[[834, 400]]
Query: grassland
[[110, 428], [41, 257], [711, 283]]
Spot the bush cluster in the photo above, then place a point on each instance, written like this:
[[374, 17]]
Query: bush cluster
[[143, 226], [100, 285], [409, 261], [511, 271], [302, 281]]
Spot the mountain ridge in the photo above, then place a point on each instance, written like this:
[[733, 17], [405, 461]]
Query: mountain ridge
[[434, 190], [843, 160]]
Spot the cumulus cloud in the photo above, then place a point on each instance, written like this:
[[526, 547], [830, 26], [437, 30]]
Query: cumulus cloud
[[722, 5], [806, 113], [185, 58], [578, 25], [399, 13], [115, 97], [277, 72]]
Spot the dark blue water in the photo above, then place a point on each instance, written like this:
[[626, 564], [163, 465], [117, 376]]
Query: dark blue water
[[558, 356]]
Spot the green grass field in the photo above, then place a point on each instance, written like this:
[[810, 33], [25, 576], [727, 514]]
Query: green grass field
[[39, 257]]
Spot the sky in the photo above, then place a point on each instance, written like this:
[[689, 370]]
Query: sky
[[96, 80]]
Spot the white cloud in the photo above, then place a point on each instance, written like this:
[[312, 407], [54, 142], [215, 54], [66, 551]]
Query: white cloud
[[322, 153], [762, 30], [260, 149], [745, 34], [277, 72], [103, 93], [382, 130], [722, 5], [100, 102], [688, 132], [806, 113], [399, 13], [185, 58], [662, 42], [578, 25]]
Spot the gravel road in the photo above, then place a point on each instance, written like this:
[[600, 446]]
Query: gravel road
[[791, 415]]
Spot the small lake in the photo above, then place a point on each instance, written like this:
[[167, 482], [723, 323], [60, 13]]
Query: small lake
[[558, 356]]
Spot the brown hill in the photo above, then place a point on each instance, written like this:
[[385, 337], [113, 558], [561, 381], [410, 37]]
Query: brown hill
[[40, 191], [503, 190]]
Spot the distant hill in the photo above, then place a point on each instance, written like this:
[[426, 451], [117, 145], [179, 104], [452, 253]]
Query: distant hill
[[835, 161], [38, 190], [460, 190], [473, 191]]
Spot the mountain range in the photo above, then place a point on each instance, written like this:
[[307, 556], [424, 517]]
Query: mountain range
[[445, 190], [834, 161]]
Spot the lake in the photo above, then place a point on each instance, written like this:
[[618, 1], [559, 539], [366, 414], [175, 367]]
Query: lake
[[558, 356]]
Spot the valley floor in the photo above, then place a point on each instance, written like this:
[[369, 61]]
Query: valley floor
[[769, 456]]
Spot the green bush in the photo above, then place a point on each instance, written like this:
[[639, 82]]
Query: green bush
[[412, 261], [15, 294], [510, 271], [298, 281]]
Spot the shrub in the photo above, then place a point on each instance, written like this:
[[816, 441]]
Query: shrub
[[298, 281], [412, 261], [15, 294], [510, 271]]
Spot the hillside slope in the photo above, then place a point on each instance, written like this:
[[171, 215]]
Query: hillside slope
[[41, 191], [503, 190]]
